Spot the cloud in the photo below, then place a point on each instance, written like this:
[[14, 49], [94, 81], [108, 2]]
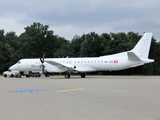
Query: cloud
[[69, 17]]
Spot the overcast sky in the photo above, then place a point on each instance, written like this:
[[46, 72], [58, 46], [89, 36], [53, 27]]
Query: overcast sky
[[68, 18]]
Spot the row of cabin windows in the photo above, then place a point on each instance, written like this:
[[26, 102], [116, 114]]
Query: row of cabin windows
[[84, 62], [87, 62]]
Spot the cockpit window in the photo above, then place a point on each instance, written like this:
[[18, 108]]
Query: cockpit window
[[18, 62]]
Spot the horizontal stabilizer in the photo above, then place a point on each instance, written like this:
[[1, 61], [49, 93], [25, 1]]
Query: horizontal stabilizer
[[137, 65], [133, 57]]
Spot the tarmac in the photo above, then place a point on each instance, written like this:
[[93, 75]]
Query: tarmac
[[90, 98]]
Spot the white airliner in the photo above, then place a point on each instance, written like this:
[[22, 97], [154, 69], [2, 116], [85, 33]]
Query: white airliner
[[136, 57]]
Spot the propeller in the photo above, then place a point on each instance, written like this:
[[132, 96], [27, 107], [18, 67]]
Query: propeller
[[42, 61]]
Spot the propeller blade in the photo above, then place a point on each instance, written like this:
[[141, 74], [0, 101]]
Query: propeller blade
[[42, 58], [43, 55], [42, 61]]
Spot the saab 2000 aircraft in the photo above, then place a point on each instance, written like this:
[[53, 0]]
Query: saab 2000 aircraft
[[136, 57]]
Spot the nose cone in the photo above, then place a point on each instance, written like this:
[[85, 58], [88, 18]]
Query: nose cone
[[13, 67]]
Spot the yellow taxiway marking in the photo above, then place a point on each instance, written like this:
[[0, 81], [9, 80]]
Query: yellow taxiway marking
[[70, 90]]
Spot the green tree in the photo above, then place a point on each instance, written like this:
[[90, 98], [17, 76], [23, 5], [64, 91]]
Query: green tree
[[104, 44], [155, 54], [62, 48], [75, 45], [7, 49], [36, 40], [119, 43], [2, 51], [91, 45]]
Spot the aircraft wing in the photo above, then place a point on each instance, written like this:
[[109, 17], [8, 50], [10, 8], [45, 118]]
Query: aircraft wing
[[60, 65], [70, 67]]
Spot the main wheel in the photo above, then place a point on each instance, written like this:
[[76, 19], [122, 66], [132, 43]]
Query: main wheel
[[67, 75], [47, 75], [83, 75]]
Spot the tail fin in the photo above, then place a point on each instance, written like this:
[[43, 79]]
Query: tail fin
[[143, 46]]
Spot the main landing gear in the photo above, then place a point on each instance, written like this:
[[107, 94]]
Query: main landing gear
[[83, 75], [68, 75]]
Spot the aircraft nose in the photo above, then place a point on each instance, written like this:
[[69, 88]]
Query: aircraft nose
[[9, 69], [12, 68]]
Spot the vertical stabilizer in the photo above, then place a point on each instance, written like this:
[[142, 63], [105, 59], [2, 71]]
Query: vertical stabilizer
[[143, 46]]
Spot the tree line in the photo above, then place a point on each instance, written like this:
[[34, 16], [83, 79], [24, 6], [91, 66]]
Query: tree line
[[38, 39]]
